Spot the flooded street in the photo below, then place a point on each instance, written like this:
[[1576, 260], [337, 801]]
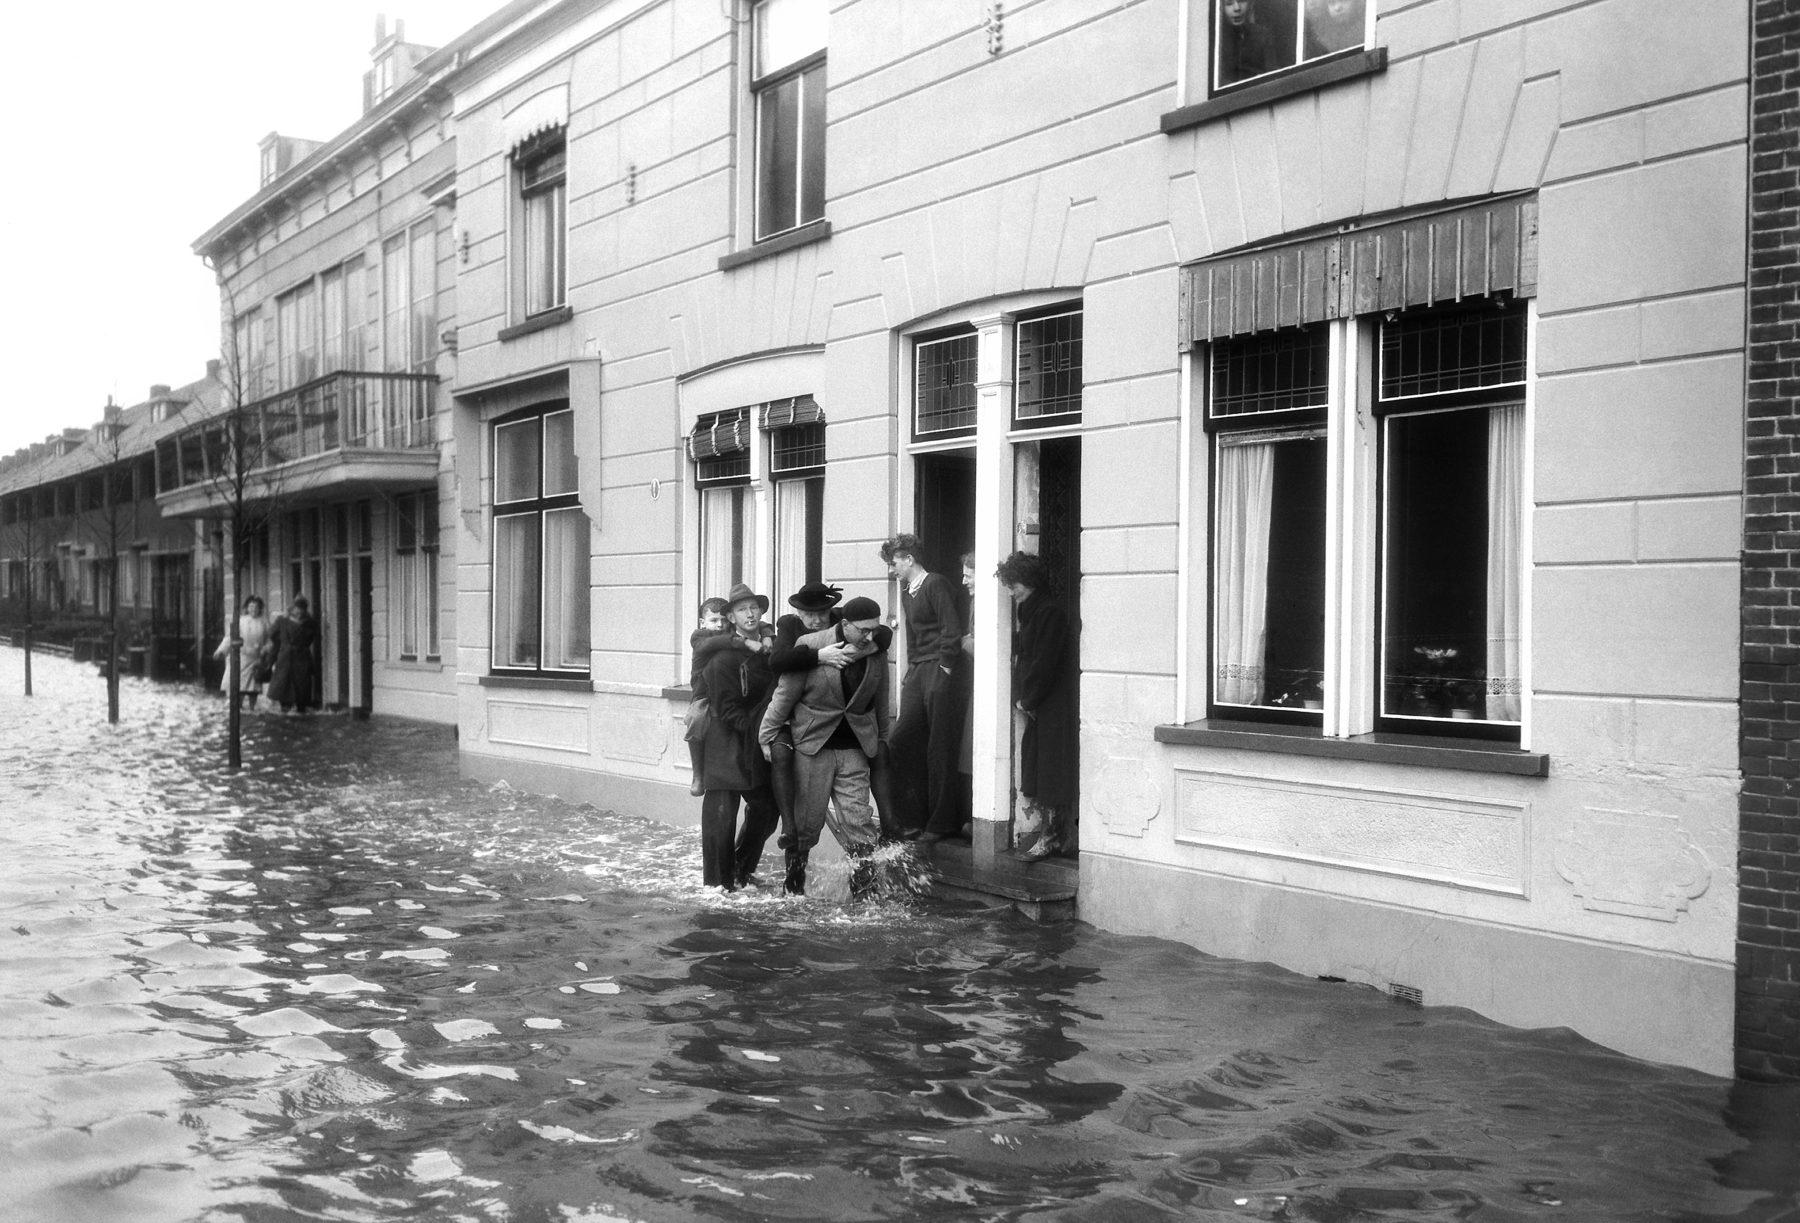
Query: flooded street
[[345, 984]]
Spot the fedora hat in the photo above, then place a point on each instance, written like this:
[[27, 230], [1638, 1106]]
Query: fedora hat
[[741, 593], [815, 596]]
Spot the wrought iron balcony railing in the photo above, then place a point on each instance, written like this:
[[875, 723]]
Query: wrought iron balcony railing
[[345, 411]]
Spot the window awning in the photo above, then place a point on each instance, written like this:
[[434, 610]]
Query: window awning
[[544, 112], [720, 434], [801, 410], [1420, 258]]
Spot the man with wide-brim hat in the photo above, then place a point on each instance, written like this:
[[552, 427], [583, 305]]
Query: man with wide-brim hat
[[737, 683]]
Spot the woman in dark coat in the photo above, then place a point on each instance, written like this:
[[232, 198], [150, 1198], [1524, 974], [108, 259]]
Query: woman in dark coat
[[294, 639], [1045, 683], [737, 684]]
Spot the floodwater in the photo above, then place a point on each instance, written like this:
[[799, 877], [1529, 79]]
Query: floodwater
[[344, 984]]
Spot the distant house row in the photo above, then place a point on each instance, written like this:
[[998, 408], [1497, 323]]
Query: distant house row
[[1372, 376]]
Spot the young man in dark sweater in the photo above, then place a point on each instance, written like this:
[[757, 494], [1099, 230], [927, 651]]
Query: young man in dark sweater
[[928, 731]]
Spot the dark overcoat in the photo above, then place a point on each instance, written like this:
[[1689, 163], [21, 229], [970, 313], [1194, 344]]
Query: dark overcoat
[[1046, 683], [737, 685], [294, 642]]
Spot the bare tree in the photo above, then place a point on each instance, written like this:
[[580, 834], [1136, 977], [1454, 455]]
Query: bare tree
[[111, 521], [240, 456]]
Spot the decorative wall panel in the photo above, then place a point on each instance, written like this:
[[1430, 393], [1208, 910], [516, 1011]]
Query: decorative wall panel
[[559, 728], [1438, 838]]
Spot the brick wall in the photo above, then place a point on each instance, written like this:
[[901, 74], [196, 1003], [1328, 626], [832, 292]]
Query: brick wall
[[1768, 970]]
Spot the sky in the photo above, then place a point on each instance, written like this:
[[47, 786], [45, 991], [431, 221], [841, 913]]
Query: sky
[[128, 129]]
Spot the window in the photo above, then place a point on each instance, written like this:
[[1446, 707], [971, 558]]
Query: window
[[944, 387], [1452, 405], [340, 317], [1048, 356], [1252, 38], [415, 581], [540, 558], [409, 299], [720, 449], [541, 165], [247, 373], [796, 433], [297, 330], [788, 89], [1444, 490]]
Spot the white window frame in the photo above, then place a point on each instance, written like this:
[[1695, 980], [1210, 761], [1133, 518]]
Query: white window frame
[[536, 248], [540, 507], [1355, 503], [804, 67], [413, 581]]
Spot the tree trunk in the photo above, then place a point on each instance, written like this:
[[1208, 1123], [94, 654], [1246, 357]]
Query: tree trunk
[[112, 672]]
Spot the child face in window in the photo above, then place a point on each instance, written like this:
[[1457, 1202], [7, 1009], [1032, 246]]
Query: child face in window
[[1237, 12]]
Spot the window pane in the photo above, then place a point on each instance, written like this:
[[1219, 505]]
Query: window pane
[[423, 275], [1429, 354], [394, 303], [722, 543], [788, 31], [407, 611], [428, 562], [1332, 26], [945, 390], [777, 157], [544, 249], [566, 589], [798, 545], [516, 570], [1269, 562], [560, 472], [1450, 616], [812, 145], [1252, 37], [516, 461], [331, 311], [1049, 359], [1280, 371]]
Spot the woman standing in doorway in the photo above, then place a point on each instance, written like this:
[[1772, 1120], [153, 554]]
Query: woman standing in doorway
[[1045, 682], [293, 639], [253, 635]]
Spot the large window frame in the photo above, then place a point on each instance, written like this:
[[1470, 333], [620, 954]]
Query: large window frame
[[795, 434], [1256, 40], [540, 607], [787, 100], [413, 584], [541, 242], [409, 339], [1360, 516]]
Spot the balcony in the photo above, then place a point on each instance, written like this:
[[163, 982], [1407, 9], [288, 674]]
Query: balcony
[[342, 436]]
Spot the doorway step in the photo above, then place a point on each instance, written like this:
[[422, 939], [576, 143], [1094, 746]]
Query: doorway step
[[1043, 890]]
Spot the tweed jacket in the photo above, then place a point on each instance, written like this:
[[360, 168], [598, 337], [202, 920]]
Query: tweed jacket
[[814, 700]]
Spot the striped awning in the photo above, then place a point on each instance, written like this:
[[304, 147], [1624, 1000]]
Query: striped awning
[[1421, 258], [800, 410], [719, 434]]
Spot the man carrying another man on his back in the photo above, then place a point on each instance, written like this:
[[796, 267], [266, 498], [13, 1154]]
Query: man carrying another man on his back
[[838, 718]]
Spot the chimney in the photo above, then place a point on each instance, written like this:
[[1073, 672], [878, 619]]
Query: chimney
[[113, 410], [213, 365], [159, 390]]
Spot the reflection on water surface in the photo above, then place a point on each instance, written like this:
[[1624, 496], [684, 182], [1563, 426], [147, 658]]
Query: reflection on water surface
[[344, 984]]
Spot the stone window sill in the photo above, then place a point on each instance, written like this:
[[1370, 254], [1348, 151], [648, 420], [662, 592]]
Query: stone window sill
[[680, 692], [806, 235], [1426, 751], [1301, 80], [543, 683], [537, 322]]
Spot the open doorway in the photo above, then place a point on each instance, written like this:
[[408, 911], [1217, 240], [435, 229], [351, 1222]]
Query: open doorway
[[944, 509]]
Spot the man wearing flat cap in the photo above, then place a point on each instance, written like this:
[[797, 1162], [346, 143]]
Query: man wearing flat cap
[[838, 717], [738, 683]]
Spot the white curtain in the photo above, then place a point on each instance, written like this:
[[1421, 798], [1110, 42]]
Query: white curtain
[[516, 576], [790, 538], [1505, 559], [721, 545], [566, 589], [1246, 487]]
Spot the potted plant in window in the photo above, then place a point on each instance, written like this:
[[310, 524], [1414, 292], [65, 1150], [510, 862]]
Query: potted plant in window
[[1434, 691]]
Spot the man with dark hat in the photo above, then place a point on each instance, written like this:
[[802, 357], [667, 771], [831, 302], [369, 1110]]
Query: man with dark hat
[[737, 683], [837, 717]]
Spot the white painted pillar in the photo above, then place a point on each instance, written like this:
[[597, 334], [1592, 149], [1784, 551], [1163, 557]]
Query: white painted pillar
[[992, 710]]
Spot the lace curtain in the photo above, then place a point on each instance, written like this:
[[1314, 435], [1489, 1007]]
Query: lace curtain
[[1505, 560], [1246, 486]]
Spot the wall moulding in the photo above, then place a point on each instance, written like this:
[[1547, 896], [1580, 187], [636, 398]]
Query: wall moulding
[[1432, 838]]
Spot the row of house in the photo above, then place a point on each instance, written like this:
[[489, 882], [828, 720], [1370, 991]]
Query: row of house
[[1372, 374]]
